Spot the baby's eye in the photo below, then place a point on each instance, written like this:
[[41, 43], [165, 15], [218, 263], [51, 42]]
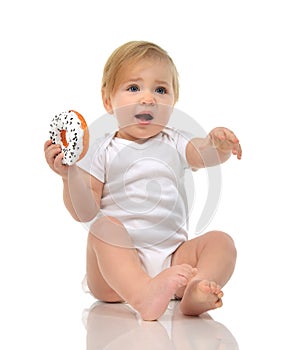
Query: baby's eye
[[161, 90], [133, 88]]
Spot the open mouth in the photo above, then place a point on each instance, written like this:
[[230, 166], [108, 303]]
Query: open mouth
[[144, 118]]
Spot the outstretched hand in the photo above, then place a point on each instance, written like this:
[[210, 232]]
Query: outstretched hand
[[225, 141]]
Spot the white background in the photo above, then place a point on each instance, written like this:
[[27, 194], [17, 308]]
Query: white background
[[234, 59]]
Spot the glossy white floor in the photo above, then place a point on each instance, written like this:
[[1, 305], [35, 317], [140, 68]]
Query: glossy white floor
[[121, 328], [234, 59], [43, 305]]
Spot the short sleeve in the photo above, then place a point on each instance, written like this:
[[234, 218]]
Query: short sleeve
[[94, 160], [181, 139]]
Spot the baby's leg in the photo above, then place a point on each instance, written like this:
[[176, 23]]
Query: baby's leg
[[119, 273], [214, 255], [99, 288]]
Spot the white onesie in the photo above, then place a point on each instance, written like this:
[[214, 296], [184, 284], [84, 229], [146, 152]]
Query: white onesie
[[144, 188]]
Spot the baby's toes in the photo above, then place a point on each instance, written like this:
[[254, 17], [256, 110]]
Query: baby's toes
[[218, 303], [220, 294], [214, 287], [187, 271]]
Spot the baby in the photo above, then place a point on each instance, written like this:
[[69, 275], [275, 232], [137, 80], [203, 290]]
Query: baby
[[130, 187]]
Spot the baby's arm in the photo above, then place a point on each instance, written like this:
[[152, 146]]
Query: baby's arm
[[81, 192], [214, 149]]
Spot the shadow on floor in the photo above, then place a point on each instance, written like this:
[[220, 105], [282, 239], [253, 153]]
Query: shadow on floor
[[118, 326]]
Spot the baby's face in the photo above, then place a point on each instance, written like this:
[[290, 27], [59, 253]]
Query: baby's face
[[143, 99]]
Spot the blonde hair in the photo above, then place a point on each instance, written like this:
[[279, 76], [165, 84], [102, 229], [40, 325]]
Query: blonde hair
[[132, 52]]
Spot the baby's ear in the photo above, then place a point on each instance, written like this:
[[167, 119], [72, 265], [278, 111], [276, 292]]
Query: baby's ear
[[106, 102]]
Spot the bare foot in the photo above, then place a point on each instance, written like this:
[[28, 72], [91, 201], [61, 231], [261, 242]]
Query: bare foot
[[156, 294], [201, 296]]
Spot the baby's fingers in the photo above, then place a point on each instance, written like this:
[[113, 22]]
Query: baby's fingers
[[219, 137], [234, 142], [51, 152], [47, 144], [224, 134], [54, 156], [58, 165], [237, 150], [230, 136], [226, 141]]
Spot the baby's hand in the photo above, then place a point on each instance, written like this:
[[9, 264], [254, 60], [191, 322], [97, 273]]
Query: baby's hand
[[225, 141], [54, 156]]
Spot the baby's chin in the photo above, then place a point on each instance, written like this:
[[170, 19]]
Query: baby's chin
[[139, 131]]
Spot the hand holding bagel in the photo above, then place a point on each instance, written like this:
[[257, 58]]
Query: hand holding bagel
[[69, 139]]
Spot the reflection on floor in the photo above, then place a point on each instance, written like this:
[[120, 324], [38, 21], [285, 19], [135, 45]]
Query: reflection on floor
[[117, 326]]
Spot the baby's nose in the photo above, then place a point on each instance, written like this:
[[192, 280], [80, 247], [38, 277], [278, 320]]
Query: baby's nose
[[147, 98]]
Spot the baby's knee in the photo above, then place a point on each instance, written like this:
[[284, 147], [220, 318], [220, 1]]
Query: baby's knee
[[221, 238], [223, 235], [224, 239]]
